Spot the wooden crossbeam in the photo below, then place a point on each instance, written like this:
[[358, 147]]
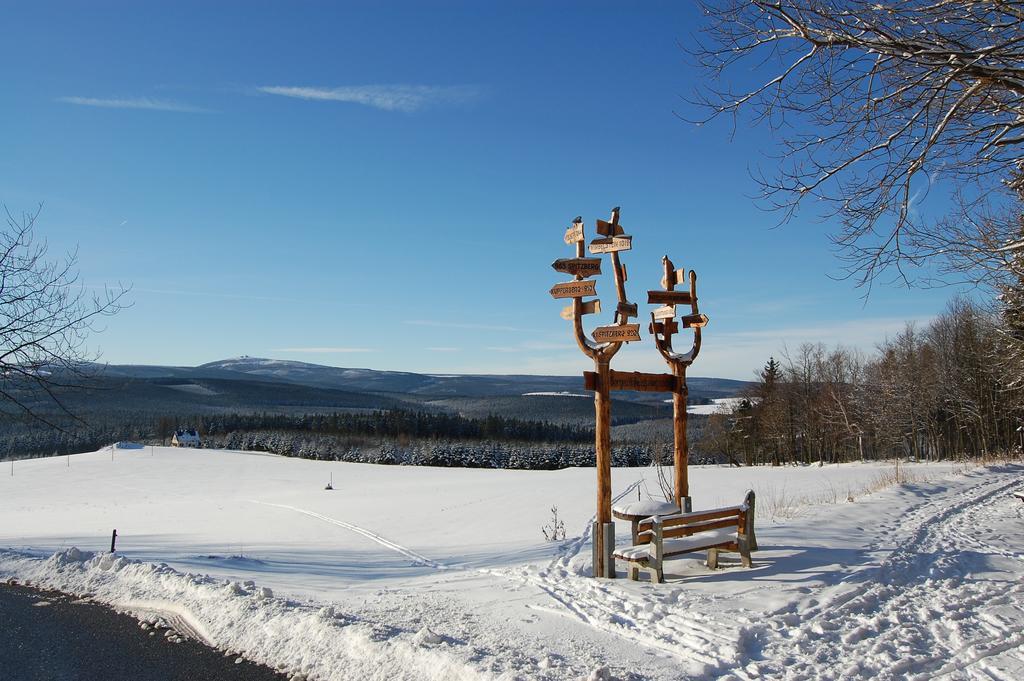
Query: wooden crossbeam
[[633, 380]]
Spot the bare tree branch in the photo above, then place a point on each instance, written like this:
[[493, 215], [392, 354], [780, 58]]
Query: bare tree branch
[[45, 319]]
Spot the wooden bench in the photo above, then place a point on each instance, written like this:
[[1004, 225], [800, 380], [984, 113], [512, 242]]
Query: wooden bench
[[662, 537]]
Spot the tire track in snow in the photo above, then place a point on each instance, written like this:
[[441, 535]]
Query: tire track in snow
[[688, 637], [372, 536], [916, 615], [176, 616]]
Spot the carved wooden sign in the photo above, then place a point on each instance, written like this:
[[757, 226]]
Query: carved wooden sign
[[677, 277], [612, 244], [608, 228], [617, 333], [574, 289], [626, 309], [665, 312], [694, 321], [589, 307], [574, 233], [669, 326], [582, 267], [668, 297], [633, 380]]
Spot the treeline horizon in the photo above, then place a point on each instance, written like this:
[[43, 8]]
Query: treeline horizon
[[944, 391], [355, 429]]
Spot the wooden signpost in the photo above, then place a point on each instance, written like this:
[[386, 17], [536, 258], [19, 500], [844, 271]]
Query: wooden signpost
[[606, 341], [663, 327]]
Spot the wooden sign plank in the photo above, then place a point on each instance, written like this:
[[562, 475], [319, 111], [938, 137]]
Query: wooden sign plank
[[617, 333], [678, 277], [627, 309], [611, 244], [589, 307], [633, 380], [608, 228], [574, 233], [574, 289], [669, 326], [582, 267], [694, 321], [665, 312], [668, 297]]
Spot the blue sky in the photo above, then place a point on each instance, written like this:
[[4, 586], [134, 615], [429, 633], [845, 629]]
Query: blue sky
[[385, 185]]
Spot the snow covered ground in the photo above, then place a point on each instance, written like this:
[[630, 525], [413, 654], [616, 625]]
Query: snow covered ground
[[426, 573], [722, 405]]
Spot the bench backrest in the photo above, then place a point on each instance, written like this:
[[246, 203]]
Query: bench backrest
[[687, 524]]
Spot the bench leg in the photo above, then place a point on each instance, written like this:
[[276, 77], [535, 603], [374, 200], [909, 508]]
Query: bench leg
[[654, 570], [713, 558], [634, 572], [744, 546]]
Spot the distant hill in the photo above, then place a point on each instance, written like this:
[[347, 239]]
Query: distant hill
[[250, 384], [436, 385]]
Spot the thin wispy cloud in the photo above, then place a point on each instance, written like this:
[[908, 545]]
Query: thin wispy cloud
[[327, 350], [406, 98], [205, 294], [148, 103], [460, 325]]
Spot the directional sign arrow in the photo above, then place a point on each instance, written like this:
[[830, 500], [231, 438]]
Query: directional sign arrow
[[611, 244], [667, 327], [608, 228], [677, 277], [617, 333], [665, 312], [695, 321], [589, 307], [668, 297], [574, 289], [583, 267], [574, 233], [626, 309]]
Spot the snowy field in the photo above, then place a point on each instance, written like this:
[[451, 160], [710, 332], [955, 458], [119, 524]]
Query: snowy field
[[428, 573]]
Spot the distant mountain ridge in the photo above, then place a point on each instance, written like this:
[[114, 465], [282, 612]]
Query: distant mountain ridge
[[437, 385]]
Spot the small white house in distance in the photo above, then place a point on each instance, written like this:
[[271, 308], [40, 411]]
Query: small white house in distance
[[185, 437]]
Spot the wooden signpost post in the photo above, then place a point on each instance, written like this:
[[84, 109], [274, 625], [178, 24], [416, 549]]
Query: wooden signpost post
[[663, 327], [606, 341]]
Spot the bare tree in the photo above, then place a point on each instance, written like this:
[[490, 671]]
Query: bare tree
[[45, 318], [874, 101]]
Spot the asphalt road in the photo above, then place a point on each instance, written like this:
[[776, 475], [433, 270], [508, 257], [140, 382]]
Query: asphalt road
[[46, 636]]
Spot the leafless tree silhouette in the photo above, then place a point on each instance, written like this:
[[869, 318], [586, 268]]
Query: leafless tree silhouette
[[873, 103], [45, 319]]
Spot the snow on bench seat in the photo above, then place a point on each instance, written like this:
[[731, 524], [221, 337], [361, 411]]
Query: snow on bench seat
[[690, 544]]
